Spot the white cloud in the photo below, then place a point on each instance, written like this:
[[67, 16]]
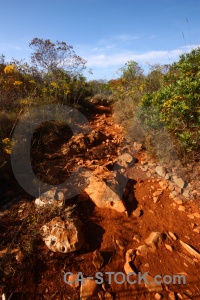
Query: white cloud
[[126, 37], [118, 58]]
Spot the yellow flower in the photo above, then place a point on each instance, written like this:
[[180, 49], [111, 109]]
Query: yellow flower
[[54, 84], [17, 82], [6, 141], [10, 69], [24, 101], [7, 145], [44, 90], [32, 81]]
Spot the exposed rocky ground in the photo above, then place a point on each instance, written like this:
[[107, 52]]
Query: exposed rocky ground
[[122, 212]]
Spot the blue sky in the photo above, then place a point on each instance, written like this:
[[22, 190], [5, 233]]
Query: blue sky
[[107, 33]]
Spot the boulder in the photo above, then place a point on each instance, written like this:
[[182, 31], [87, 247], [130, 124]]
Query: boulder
[[63, 236], [103, 196]]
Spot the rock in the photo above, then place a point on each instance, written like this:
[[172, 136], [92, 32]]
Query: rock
[[155, 199], [137, 238], [124, 160], [88, 289], [103, 196], [144, 168], [63, 236], [51, 197], [169, 247], [154, 240], [158, 296], [97, 259], [161, 171], [197, 215], [190, 250], [167, 176], [130, 255], [178, 189], [179, 181], [186, 194], [163, 184], [151, 286], [187, 258], [137, 213], [181, 208], [20, 256], [172, 296], [120, 244], [194, 215], [197, 229], [178, 200], [173, 194], [171, 187], [3, 297], [157, 193], [137, 146], [172, 235], [143, 250], [127, 268]]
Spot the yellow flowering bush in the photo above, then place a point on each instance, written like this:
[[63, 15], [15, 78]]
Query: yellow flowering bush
[[7, 145], [10, 69]]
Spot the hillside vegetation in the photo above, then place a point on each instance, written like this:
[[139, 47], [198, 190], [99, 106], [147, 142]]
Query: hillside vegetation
[[164, 103]]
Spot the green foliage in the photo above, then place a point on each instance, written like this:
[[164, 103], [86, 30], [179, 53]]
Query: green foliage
[[167, 98], [178, 98]]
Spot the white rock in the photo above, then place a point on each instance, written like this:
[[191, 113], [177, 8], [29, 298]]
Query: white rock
[[158, 296], [124, 160], [190, 250], [63, 236], [161, 171], [169, 247], [50, 198], [179, 181], [181, 208], [172, 235], [103, 196]]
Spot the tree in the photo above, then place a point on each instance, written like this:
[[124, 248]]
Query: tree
[[50, 57], [131, 70]]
